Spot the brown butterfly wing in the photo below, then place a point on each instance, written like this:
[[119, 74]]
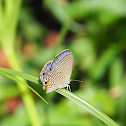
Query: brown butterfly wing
[[59, 77]]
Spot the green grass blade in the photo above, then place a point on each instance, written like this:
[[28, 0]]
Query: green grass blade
[[21, 74], [16, 79], [106, 119], [65, 93]]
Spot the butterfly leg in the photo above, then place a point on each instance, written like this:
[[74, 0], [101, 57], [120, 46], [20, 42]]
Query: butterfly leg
[[68, 88]]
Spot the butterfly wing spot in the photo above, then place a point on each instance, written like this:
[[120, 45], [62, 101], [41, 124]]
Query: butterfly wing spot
[[47, 83], [67, 67]]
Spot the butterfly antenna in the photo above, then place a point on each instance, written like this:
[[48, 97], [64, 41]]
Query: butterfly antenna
[[78, 81]]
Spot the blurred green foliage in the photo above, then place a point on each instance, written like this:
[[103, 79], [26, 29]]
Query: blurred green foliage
[[94, 30]]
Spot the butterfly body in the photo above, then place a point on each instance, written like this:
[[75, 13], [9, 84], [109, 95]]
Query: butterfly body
[[56, 73]]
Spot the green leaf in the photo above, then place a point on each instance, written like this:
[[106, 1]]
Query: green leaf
[[21, 74], [63, 92], [106, 119], [16, 79]]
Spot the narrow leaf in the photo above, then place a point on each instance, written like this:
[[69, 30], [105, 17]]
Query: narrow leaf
[[21, 74], [16, 79], [106, 119]]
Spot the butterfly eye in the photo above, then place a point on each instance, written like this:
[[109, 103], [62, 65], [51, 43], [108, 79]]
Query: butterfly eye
[[43, 73]]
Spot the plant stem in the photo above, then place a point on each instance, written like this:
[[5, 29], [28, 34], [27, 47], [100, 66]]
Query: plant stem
[[8, 25]]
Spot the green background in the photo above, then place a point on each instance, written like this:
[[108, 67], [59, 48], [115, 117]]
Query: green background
[[32, 32]]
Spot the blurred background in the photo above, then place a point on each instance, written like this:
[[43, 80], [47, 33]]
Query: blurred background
[[32, 32]]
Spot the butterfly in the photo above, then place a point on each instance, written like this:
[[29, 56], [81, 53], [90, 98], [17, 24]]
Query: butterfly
[[56, 73]]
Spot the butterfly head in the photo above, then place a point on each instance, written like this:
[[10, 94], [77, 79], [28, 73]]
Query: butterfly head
[[44, 79]]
